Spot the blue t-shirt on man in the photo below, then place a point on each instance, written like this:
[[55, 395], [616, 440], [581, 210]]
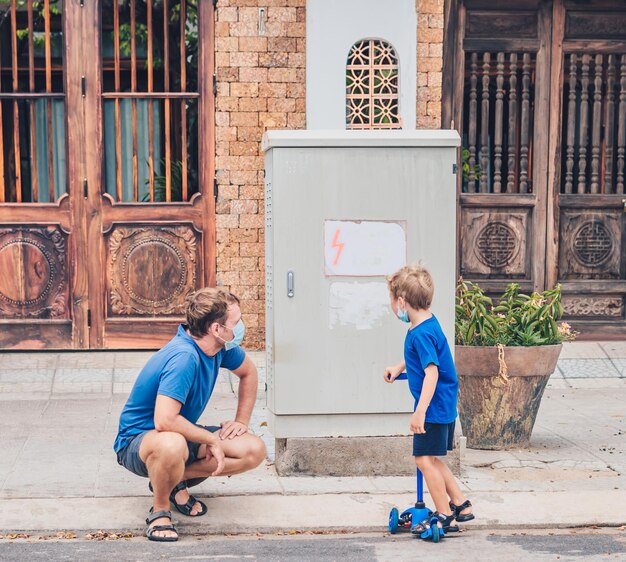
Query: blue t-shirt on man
[[425, 344], [180, 370]]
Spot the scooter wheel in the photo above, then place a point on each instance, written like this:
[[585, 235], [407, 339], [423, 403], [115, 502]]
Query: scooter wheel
[[435, 533], [394, 518]]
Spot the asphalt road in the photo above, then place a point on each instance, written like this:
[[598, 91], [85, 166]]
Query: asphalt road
[[573, 544]]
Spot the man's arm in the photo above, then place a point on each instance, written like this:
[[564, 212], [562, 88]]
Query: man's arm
[[167, 418], [248, 382]]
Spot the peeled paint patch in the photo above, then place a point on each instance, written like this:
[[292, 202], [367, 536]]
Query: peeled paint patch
[[362, 305]]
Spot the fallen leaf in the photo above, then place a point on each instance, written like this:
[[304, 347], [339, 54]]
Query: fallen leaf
[[263, 424]]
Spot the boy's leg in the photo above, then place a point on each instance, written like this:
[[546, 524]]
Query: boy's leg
[[435, 481], [452, 488]]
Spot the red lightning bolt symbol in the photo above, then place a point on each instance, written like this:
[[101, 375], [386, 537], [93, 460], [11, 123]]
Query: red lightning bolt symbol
[[338, 245]]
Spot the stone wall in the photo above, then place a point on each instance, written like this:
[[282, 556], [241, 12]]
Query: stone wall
[[260, 86], [261, 76], [429, 62]]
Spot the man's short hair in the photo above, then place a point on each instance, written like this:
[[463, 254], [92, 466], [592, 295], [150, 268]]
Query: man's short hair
[[206, 306], [414, 284]]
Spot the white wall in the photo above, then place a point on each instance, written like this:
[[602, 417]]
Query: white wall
[[332, 27]]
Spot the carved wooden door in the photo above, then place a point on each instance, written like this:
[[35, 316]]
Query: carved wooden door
[[106, 167], [540, 102], [587, 236], [36, 226]]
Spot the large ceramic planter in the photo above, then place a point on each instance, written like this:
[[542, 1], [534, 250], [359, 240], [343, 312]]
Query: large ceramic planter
[[496, 414]]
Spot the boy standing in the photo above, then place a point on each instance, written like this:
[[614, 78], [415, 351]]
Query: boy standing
[[433, 382]]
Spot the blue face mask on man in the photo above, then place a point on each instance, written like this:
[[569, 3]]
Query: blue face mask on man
[[239, 330]]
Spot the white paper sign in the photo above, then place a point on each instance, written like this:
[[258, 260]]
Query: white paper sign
[[362, 305], [363, 248]]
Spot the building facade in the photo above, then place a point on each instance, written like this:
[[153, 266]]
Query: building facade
[[131, 169]]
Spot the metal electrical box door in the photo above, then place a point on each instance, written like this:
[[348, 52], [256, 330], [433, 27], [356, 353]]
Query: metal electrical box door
[[344, 209]]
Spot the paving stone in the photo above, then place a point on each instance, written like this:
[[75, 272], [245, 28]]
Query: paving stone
[[86, 360], [620, 365], [28, 360], [78, 380], [582, 350], [131, 359], [615, 349], [588, 368], [26, 380]]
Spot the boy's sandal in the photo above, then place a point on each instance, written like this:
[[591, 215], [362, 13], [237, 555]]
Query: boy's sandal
[[184, 508], [456, 511], [445, 520], [150, 531]]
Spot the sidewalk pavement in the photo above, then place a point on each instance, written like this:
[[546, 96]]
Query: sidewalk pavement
[[59, 414]]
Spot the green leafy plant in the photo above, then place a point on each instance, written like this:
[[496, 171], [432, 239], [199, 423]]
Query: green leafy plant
[[516, 320], [160, 183], [466, 170]]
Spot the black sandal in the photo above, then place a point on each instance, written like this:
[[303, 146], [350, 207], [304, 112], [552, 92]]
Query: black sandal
[[151, 530], [456, 511], [445, 521], [184, 508]]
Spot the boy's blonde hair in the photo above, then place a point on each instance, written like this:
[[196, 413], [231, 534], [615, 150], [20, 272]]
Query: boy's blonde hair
[[206, 306], [414, 284]]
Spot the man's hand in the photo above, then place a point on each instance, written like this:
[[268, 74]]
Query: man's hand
[[231, 429], [392, 373], [214, 449], [417, 421]]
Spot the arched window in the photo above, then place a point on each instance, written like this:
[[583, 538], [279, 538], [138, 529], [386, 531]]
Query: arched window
[[372, 86]]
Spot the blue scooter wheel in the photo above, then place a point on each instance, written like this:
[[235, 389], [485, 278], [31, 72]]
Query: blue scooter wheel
[[435, 533], [394, 518]]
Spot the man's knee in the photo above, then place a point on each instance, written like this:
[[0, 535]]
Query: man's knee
[[166, 446], [256, 451]]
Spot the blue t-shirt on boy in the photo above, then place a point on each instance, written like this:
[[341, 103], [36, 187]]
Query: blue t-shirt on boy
[[180, 370], [425, 344]]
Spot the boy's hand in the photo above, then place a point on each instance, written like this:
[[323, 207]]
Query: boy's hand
[[392, 373], [417, 421]]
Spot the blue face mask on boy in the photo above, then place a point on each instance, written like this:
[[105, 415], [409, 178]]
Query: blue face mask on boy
[[403, 315], [239, 331]]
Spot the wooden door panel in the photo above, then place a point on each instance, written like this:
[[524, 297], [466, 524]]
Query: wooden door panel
[[150, 193], [588, 124], [37, 234], [151, 269], [496, 244]]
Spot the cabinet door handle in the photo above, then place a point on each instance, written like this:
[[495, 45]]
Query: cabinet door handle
[[290, 284]]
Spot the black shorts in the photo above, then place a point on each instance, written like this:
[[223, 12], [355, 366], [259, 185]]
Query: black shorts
[[436, 442], [129, 457]]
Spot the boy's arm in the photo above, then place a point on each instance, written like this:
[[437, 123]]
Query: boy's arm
[[428, 390], [392, 373]]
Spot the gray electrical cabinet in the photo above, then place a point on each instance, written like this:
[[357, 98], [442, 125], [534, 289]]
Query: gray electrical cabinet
[[344, 209]]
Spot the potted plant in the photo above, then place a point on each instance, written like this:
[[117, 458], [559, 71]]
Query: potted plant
[[504, 356]]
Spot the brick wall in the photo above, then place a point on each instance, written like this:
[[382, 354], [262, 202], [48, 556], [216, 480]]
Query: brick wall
[[429, 62], [260, 86]]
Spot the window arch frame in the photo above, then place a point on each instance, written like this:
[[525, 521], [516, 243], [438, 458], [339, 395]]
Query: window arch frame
[[373, 85]]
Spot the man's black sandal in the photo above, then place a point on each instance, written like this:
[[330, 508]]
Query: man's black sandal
[[456, 511], [184, 508], [155, 528]]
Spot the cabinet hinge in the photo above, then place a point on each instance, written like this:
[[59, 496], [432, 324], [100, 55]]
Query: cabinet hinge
[[83, 86], [85, 188], [215, 188], [214, 85], [88, 318], [455, 168]]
